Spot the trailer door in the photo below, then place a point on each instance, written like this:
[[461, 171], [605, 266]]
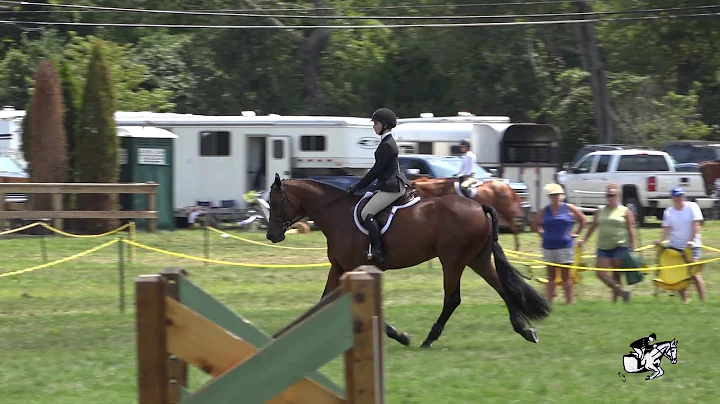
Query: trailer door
[[277, 157]]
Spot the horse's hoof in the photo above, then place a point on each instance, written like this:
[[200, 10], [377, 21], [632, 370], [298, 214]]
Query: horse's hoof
[[426, 344], [404, 339], [531, 335]]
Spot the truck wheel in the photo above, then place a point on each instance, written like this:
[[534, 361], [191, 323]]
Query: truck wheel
[[638, 211]]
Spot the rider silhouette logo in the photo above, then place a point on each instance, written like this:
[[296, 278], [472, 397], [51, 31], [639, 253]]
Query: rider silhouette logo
[[647, 354]]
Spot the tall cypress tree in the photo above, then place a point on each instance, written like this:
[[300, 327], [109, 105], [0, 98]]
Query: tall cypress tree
[[46, 129], [96, 157], [72, 101]]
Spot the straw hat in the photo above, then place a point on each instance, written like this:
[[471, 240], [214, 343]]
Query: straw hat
[[552, 189]]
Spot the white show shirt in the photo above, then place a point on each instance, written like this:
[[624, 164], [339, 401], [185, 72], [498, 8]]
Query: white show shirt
[[681, 223], [468, 160]]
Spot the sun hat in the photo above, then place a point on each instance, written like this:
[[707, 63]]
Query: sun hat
[[553, 189]]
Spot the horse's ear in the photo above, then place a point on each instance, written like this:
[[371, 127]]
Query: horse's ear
[[277, 182]]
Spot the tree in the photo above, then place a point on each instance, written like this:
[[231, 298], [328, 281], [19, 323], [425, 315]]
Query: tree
[[72, 102], [48, 141], [97, 142]]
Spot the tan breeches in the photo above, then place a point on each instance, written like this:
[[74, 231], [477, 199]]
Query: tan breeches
[[380, 201]]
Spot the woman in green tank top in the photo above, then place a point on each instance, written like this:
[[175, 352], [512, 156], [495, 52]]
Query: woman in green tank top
[[616, 234]]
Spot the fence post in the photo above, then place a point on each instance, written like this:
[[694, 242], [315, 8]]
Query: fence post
[[121, 273], [152, 206], [132, 237], [57, 206], [363, 362], [152, 355], [206, 237]]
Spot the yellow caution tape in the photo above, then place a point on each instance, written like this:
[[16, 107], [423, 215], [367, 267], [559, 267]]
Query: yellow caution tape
[[240, 264], [64, 233], [582, 268], [17, 229], [264, 244], [529, 254], [61, 260]]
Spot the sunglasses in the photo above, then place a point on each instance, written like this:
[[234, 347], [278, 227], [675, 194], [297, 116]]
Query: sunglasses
[[610, 195]]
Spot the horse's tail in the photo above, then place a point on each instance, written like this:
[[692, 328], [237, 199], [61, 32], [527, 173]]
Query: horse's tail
[[523, 297]]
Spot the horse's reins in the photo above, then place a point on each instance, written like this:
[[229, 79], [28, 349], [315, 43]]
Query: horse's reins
[[285, 223]]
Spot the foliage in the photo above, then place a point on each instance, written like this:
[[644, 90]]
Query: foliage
[[72, 102], [97, 142], [48, 143], [529, 73]]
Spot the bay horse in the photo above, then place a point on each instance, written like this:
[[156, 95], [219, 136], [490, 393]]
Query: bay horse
[[497, 194], [452, 228], [710, 171]]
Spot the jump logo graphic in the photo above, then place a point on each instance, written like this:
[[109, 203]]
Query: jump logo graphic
[[647, 354]]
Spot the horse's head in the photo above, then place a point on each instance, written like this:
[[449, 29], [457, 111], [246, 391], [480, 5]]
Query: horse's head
[[672, 352], [710, 171], [283, 211]]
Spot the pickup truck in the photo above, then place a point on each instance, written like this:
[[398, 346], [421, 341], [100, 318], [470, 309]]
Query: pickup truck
[[433, 166], [644, 177]]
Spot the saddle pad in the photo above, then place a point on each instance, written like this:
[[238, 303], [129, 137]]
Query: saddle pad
[[394, 209]]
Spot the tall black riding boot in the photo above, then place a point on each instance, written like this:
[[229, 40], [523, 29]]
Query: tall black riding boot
[[373, 228]]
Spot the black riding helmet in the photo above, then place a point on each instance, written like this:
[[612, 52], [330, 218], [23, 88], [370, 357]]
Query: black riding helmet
[[386, 116], [465, 142]]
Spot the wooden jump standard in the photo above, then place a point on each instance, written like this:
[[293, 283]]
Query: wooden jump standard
[[178, 323]]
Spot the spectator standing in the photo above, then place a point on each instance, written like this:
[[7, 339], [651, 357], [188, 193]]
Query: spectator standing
[[616, 235], [681, 227], [554, 224]]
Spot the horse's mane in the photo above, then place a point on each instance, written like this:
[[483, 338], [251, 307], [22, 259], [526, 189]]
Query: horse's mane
[[316, 182]]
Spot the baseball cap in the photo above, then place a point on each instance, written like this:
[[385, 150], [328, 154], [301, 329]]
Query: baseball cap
[[677, 191]]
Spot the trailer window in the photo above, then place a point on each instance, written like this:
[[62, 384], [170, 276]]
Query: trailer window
[[527, 153], [312, 143], [277, 149], [214, 143], [425, 148]]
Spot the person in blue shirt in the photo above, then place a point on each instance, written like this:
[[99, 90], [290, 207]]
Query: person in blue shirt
[[554, 224]]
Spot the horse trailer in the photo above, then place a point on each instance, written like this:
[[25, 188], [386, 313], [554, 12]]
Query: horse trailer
[[525, 152]]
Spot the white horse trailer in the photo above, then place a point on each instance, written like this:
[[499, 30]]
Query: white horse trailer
[[525, 152], [220, 158]]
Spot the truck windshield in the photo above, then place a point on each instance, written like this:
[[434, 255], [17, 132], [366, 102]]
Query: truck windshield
[[449, 167]]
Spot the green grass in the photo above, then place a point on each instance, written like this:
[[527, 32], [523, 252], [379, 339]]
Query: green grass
[[63, 340]]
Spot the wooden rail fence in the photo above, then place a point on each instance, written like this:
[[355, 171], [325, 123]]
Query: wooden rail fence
[[58, 190], [178, 324]]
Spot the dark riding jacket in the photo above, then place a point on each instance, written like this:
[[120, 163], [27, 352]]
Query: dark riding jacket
[[386, 168]]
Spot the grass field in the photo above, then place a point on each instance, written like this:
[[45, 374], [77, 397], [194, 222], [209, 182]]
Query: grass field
[[63, 340]]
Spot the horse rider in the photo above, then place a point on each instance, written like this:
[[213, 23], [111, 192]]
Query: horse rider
[[467, 172], [392, 184], [643, 345]]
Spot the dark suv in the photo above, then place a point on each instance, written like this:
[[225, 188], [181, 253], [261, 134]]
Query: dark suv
[[602, 147], [692, 151]]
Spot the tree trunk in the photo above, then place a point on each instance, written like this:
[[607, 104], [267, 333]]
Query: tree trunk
[[592, 62], [312, 48]]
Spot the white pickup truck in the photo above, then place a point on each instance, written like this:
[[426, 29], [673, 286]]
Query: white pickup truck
[[644, 177]]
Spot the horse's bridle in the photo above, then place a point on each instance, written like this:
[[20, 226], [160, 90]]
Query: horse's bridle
[[285, 223]]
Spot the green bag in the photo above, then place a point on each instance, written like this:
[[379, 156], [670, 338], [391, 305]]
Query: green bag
[[632, 260]]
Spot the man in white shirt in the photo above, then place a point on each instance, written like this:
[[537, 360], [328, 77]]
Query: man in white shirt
[[682, 222], [467, 169]]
